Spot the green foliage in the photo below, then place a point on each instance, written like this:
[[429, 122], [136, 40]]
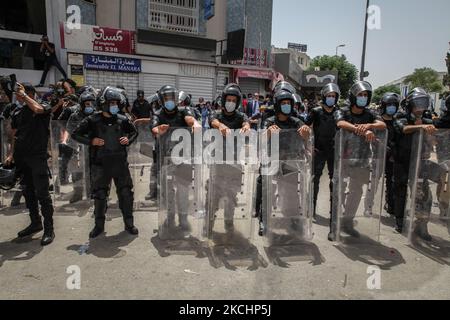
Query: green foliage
[[426, 78], [347, 72]]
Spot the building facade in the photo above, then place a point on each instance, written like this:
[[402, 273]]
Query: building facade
[[145, 44]]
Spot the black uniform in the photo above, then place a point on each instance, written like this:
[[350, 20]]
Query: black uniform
[[402, 156], [325, 129], [178, 187], [290, 124], [31, 155], [226, 179], [109, 162], [65, 154], [77, 174], [142, 110], [389, 170], [356, 167]]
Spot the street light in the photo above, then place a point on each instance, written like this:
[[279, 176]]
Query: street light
[[339, 46]]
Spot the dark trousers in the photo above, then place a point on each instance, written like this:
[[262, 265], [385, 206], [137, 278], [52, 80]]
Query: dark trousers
[[101, 179], [47, 66], [36, 181], [390, 193], [321, 159]]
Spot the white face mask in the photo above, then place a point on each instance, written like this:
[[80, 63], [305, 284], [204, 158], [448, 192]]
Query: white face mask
[[230, 106]]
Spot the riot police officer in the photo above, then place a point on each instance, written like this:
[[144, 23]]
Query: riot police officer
[[228, 179], [169, 117], [282, 120], [85, 109], [30, 124], [443, 122], [362, 122], [406, 125], [389, 107], [108, 134], [322, 119]]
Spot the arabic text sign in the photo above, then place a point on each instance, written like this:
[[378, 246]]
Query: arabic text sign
[[113, 64], [94, 38]]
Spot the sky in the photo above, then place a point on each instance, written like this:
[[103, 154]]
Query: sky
[[413, 33]]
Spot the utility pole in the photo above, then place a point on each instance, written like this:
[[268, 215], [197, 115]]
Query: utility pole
[[363, 60]]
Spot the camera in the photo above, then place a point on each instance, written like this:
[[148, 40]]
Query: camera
[[9, 85]]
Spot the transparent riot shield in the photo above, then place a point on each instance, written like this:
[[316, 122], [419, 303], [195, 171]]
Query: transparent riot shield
[[142, 156], [287, 187], [9, 198], [231, 185], [69, 168], [427, 216], [358, 188], [181, 185]]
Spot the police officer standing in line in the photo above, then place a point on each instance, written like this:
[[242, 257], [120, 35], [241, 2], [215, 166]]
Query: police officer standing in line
[[109, 133], [227, 179], [322, 119], [283, 120], [170, 116], [30, 125], [361, 121], [406, 125], [85, 109], [141, 107], [390, 104]]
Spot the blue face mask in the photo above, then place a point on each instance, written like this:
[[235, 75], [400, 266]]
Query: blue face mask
[[286, 109], [361, 102], [330, 102], [170, 105], [391, 110], [114, 109], [89, 110]]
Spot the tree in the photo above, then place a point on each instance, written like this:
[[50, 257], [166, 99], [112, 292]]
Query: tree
[[378, 93], [426, 78], [347, 72]]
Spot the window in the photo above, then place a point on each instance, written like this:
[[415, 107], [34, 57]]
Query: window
[[18, 54], [27, 16], [174, 15]]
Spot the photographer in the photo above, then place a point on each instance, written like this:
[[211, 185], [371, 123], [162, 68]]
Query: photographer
[[30, 126], [48, 50]]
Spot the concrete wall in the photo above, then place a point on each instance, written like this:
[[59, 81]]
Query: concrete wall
[[88, 14], [120, 14], [216, 27]]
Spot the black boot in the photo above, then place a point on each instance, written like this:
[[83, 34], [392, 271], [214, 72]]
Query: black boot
[[15, 202], [97, 231], [184, 223], [32, 229], [77, 195], [399, 225], [130, 228], [49, 236], [421, 231], [349, 228], [229, 226], [100, 217]]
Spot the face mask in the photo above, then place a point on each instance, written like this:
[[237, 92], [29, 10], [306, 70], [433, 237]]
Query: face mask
[[391, 110], [169, 105], [89, 110], [286, 109], [114, 109], [361, 102], [230, 106], [330, 101]]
